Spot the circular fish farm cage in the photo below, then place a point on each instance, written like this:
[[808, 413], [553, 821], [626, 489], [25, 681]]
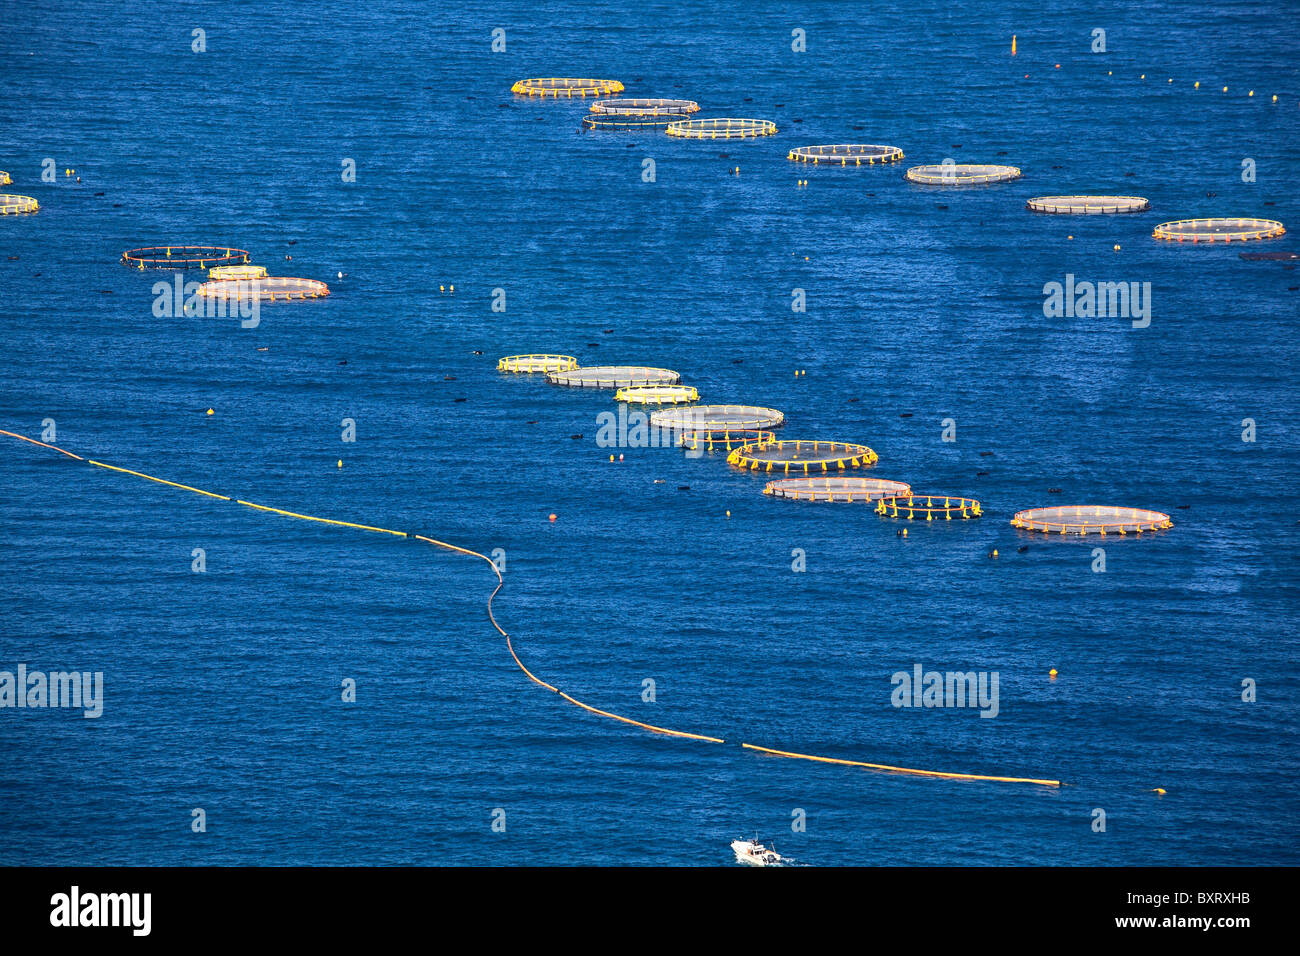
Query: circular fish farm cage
[[1091, 519], [537, 362], [718, 418], [657, 394], [941, 174], [237, 272], [628, 122], [271, 289], [1087, 205], [726, 439], [645, 107], [802, 456], [929, 507], [184, 257], [565, 87], [613, 376], [845, 154], [11, 205], [1218, 230], [725, 128], [840, 488]]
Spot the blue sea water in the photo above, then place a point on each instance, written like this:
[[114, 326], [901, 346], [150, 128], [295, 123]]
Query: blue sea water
[[222, 689]]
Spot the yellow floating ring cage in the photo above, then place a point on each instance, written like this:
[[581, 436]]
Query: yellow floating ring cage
[[839, 488], [270, 289], [613, 376], [11, 205], [645, 107], [845, 154], [657, 394], [948, 174], [803, 457], [237, 272], [566, 87], [1091, 519], [725, 128], [929, 507], [726, 439], [537, 362], [717, 418], [184, 257], [1218, 230], [5, 178], [1088, 205]]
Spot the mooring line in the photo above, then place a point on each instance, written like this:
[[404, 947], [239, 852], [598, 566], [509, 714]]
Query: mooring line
[[510, 645]]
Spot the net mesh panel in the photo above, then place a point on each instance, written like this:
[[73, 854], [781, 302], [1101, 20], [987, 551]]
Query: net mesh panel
[[645, 107], [613, 376], [845, 488], [1088, 205], [845, 154], [237, 272], [272, 289], [565, 87], [184, 257], [536, 362], [929, 507], [707, 440], [1218, 230], [657, 394], [718, 417], [724, 128], [11, 205], [803, 457], [1091, 519], [961, 175]]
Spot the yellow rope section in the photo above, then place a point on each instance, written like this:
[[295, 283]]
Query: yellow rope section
[[510, 645]]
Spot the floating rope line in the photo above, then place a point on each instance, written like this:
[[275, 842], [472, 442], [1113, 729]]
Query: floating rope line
[[510, 645]]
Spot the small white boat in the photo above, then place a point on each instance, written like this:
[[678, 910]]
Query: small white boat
[[753, 853]]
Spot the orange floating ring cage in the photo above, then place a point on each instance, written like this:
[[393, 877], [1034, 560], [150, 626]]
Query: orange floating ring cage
[[725, 128], [613, 376], [952, 174], [1087, 205], [536, 362], [802, 457], [566, 87], [1091, 519], [727, 439], [1218, 230], [839, 488], [270, 289], [845, 154], [929, 507], [184, 257], [237, 272], [657, 394], [717, 418], [11, 205]]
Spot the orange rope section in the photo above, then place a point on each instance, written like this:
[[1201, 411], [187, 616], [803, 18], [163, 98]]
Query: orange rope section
[[510, 645]]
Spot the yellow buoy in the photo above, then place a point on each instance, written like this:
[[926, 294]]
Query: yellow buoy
[[728, 514], [340, 462], [209, 411], [1196, 85], [1159, 790], [1013, 44], [1052, 673], [1117, 247]]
